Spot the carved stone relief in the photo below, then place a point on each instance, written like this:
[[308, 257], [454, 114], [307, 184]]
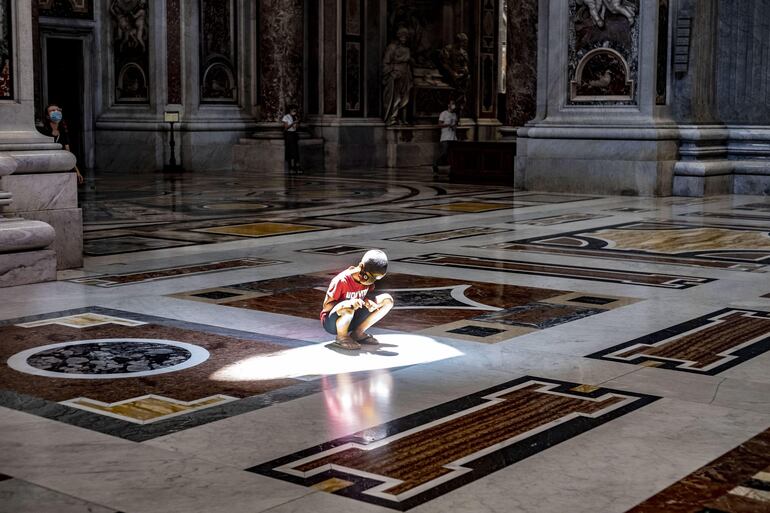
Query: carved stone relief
[[218, 52], [130, 40], [603, 52]]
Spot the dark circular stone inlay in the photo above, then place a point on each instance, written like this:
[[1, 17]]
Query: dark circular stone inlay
[[109, 358]]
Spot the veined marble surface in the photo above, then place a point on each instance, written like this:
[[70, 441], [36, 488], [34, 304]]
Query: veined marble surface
[[163, 241]]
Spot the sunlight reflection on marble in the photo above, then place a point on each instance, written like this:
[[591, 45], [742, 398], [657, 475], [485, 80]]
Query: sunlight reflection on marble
[[396, 350], [356, 403]]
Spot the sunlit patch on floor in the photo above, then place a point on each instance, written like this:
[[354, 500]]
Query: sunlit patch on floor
[[394, 350]]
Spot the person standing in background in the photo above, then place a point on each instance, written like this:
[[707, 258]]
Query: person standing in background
[[447, 120], [291, 138], [54, 126]]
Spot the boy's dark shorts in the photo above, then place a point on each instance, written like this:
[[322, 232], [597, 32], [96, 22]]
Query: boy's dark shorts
[[330, 322]]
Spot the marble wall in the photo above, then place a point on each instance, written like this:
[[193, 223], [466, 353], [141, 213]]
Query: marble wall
[[743, 61], [204, 52]]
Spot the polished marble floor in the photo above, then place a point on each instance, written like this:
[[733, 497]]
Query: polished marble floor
[[546, 352]]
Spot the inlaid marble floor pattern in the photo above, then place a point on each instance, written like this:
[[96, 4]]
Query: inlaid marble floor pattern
[[547, 353]]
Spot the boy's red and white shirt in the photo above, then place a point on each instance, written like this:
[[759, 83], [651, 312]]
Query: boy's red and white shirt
[[343, 287]]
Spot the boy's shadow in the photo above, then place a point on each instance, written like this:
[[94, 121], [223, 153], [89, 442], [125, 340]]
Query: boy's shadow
[[375, 349]]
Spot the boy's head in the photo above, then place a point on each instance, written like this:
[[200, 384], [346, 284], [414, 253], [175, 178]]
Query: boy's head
[[373, 266]]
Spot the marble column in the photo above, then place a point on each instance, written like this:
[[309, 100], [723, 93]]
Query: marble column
[[281, 34], [597, 127], [35, 192], [521, 65], [720, 97]]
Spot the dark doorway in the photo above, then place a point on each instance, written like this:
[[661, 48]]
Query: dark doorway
[[64, 67]]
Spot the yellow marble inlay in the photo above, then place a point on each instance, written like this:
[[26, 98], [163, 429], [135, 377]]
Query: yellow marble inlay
[[679, 241], [147, 408], [84, 320], [332, 485], [585, 389], [260, 229], [468, 206], [751, 493]]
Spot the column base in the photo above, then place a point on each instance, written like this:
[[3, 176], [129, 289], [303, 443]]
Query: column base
[[27, 267], [265, 151], [630, 161]]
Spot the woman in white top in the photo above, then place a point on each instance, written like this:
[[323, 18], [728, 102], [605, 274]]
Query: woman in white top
[[291, 137]]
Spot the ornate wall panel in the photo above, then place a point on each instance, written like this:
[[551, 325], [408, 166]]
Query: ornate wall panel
[[330, 56], [130, 47], [373, 57], [487, 66], [281, 34], [353, 58], [174, 52], [603, 52], [6, 51], [81, 9], [218, 70], [313, 54], [662, 61]]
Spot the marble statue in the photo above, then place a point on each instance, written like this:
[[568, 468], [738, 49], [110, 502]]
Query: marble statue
[[130, 20], [598, 9], [456, 67], [397, 78]]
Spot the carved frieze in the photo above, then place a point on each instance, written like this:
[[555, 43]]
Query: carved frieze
[[603, 52], [79, 9], [130, 45]]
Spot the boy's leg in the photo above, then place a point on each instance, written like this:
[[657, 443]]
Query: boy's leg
[[359, 328], [344, 316]]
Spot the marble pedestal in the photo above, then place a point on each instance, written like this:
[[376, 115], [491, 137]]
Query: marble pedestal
[[626, 161], [418, 145], [265, 151], [25, 257], [723, 160], [52, 199]]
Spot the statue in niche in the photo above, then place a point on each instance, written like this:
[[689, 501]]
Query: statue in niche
[[598, 10], [455, 67], [130, 20], [405, 14], [397, 78]]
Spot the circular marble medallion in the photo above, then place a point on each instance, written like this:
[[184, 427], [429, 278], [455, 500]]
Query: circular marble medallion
[[108, 358]]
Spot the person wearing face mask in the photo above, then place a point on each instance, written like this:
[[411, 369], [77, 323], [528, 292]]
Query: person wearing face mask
[[54, 126], [448, 123]]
